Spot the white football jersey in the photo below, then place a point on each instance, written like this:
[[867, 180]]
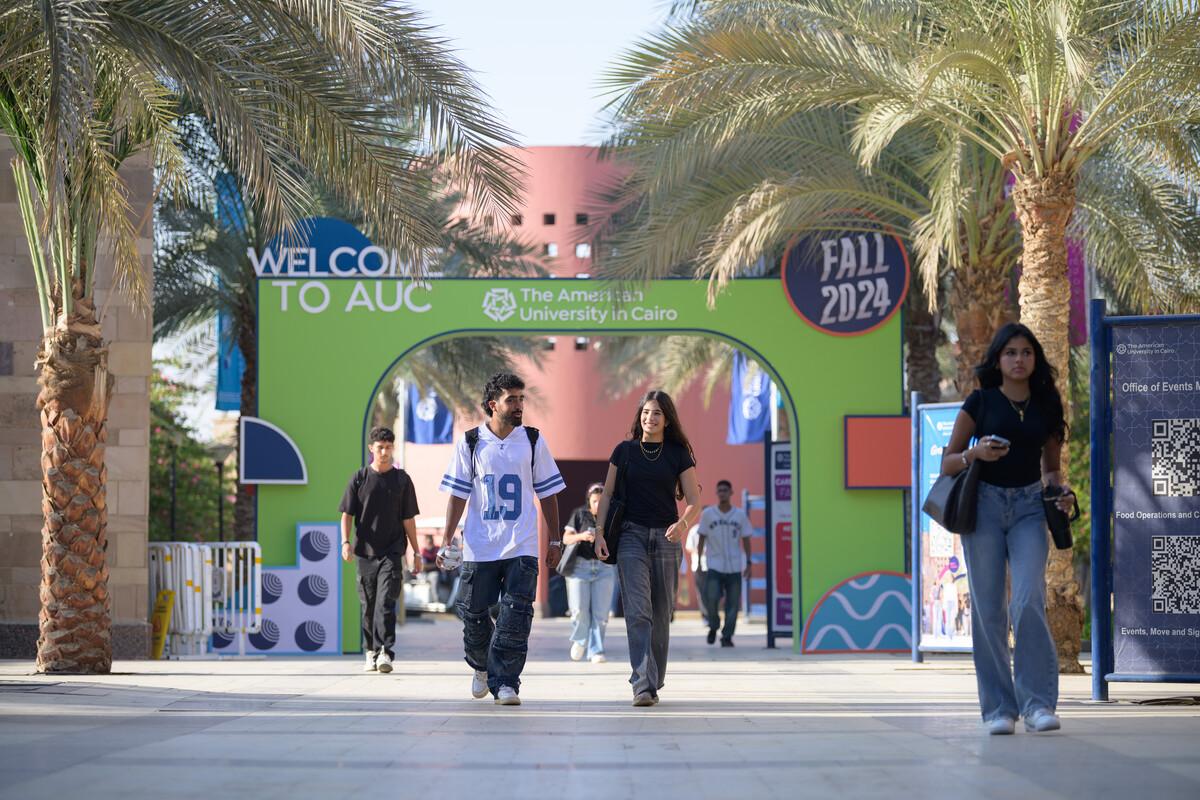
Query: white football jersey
[[501, 493]]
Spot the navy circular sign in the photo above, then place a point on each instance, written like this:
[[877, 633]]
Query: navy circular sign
[[846, 284]]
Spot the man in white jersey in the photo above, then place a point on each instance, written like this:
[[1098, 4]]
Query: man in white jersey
[[497, 471], [725, 539]]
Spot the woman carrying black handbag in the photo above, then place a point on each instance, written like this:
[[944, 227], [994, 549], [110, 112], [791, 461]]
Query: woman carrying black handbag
[[1017, 418], [659, 470], [590, 582]]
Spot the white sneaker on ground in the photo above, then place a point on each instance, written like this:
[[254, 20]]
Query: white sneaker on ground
[[1001, 726], [384, 662], [479, 687], [576, 651], [507, 696], [369, 665], [1042, 720], [599, 658], [643, 699]]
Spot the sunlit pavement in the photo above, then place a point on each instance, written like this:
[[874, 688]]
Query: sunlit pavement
[[737, 723]]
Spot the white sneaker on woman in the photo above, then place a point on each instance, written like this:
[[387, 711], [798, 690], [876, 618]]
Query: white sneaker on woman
[[576, 651], [384, 662], [1042, 720], [369, 665], [1001, 726], [599, 658], [507, 696], [479, 687]]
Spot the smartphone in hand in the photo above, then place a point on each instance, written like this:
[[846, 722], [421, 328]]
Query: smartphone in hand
[[998, 441]]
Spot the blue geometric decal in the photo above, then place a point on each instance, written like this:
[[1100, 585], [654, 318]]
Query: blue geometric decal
[[871, 612], [268, 455], [301, 604]]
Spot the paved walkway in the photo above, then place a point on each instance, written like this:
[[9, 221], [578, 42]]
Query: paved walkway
[[733, 725]]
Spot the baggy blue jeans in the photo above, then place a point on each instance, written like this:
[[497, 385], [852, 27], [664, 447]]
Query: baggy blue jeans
[[1010, 536], [648, 566], [589, 594], [499, 648]]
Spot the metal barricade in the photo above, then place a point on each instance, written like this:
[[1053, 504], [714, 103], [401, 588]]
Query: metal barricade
[[236, 589], [186, 569]]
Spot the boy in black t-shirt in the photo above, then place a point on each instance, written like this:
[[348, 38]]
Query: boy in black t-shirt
[[383, 504]]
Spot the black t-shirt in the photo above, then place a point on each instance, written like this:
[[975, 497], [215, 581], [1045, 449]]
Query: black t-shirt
[[650, 485], [581, 520], [994, 414], [379, 503]]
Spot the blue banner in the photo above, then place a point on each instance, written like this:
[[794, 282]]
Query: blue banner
[[426, 418], [941, 604], [1156, 500], [749, 403], [230, 366]]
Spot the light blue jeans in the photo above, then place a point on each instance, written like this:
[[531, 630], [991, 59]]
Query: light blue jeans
[[589, 594], [1010, 536]]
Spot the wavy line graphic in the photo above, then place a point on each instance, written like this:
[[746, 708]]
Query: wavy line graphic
[[866, 583], [879, 601], [849, 642]]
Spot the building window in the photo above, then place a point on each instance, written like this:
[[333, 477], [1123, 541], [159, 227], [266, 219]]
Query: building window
[[518, 220], [581, 343], [583, 250], [547, 219], [581, 219], [550, 250]]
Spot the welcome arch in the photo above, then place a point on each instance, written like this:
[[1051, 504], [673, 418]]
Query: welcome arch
[[326, 341]]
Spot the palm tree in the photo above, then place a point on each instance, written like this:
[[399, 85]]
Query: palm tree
[[1073, 100], [291, 90]]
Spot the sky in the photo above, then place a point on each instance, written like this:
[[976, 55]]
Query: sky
[[542, 61]]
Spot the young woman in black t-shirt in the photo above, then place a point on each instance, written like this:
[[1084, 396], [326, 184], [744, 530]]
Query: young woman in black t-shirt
[[590, 583], [1017, 418], [660, 470]]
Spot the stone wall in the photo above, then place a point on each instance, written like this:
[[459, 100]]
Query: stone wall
[[128, 330]]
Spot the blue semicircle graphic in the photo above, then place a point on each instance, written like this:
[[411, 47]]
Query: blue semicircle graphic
[[269, 455]]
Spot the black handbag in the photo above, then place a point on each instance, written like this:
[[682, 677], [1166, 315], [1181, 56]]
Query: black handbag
[[1057, 520], [566, 564], [616, 509], [952, 500]]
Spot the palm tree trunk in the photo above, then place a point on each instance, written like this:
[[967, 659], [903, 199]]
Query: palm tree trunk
[[244, 516], [75, 620], [980, 308], [922, 335], [1044, 206]]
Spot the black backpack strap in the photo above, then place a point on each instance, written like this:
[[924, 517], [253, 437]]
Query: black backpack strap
[[533, 434], [472, 437]]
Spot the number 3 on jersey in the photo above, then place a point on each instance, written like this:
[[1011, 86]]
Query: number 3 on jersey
[[501, 497]]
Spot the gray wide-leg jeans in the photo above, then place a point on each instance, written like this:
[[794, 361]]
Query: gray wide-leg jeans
[[648, 566]]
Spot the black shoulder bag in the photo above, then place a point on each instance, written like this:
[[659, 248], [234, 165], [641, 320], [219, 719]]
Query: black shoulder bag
[[951, 501], [616, 509]]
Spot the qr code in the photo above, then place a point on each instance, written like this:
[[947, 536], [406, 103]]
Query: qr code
[[1175, 457], [1175, 574]]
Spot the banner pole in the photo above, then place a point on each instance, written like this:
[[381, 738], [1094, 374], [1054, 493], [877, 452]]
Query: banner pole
[[1102, 645], [915, 513]]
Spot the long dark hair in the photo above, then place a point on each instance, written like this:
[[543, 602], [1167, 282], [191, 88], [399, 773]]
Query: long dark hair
[[673, 431], [1042, 390]]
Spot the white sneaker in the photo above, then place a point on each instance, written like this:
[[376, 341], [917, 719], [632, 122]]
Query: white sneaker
[[370, 665], [507, 696], [599, 658], [1042, 720], [1000, 726], [479, 687], [576, 651], [384, 662]]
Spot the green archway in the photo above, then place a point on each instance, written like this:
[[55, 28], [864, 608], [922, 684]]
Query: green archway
[[326, 340]]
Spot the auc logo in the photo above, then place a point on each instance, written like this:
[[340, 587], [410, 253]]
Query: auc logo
[[499, 304]]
